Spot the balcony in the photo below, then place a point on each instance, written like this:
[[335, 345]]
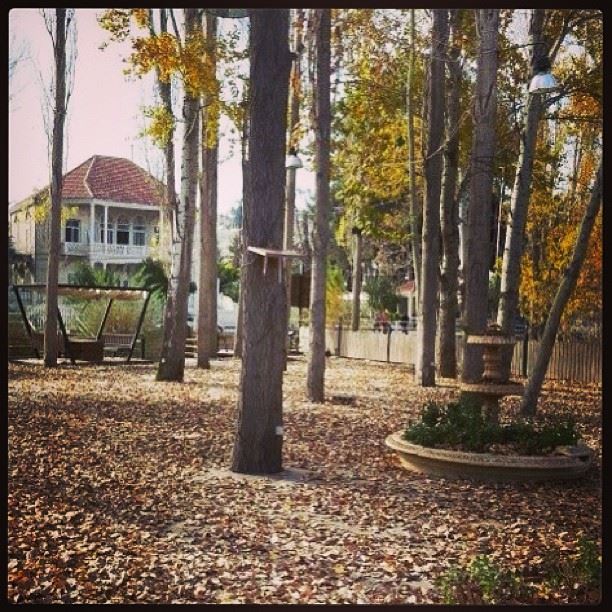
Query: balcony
[[106, 252], [75, 248]]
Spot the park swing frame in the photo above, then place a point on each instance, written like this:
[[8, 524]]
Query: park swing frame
[[90, 293]]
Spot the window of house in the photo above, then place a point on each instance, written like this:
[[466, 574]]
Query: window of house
[[123, 231], [110, 233], [73, 230], [139, 231]]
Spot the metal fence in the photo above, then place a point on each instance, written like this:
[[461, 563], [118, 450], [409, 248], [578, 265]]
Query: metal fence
[[575, 360]]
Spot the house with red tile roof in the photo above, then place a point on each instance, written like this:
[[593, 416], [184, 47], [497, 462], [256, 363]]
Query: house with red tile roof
[[110, 217]]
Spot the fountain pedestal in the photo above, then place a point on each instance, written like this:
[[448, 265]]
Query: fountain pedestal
[[494, 384]]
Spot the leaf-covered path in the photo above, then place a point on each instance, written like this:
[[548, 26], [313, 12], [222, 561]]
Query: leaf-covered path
[[119, 492]]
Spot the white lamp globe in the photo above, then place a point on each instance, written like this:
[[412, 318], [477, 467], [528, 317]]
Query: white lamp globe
[[543, 82], [293, 162]]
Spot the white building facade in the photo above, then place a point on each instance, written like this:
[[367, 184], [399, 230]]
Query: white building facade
[[111, 214]]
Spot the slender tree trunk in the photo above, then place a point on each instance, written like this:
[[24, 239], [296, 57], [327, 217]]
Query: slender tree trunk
[[258, 442], [356, 312], [316, 364], [449, 214], [519, 203], [426, 331], [207, 290], [169, 212], [481, 185], [463, 198], [171, 204], [564, 292], [57, 156], [172, 362], [416, 212]]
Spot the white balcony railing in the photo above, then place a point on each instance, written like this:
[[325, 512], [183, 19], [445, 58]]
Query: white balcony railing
[[106, 251], [119, 250], [75, 248]]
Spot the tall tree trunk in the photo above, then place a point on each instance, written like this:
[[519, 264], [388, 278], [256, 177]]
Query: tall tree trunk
[[169, 212], [416, 212], [564, 292], [426, 331], [207, 289], [519, 202], [258, 442], [57, 156], [356, 280], [172, 361], [316, 364], [449, 213], [481, 185]]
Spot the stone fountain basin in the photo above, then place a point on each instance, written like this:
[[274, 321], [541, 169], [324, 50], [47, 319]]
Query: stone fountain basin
[[493, 388], [570, 465], [491, 339]]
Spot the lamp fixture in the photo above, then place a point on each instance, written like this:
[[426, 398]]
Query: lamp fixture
[[542, 82], [293, 161]]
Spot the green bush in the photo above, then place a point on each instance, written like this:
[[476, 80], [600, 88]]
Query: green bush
[[482, 581], [229, 278], [463, 424], [580, 571]]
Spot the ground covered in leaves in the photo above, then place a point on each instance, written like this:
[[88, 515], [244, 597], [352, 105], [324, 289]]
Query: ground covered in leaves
[[119, 492]]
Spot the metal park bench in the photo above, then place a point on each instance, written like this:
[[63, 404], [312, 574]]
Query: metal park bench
[[120, 344]]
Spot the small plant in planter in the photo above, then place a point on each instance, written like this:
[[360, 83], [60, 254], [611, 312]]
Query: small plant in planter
[[462, 426]]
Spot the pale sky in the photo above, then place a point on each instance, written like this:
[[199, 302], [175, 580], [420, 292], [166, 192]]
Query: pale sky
[[104, 116]]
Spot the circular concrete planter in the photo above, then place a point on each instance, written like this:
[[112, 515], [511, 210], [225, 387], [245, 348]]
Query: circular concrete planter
[[489, 467]]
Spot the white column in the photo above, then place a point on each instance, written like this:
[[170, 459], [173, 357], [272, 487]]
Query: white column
[[92, 223], [105, 234]]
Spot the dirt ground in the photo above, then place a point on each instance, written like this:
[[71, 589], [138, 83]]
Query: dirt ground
[[119, 491]]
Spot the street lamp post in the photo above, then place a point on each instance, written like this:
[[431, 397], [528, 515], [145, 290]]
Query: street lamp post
[[292, 163]]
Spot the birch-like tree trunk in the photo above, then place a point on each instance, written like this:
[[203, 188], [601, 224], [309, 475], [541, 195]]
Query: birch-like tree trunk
[[315, 383], [172, 360], [481, 185], [426, 331], [164, 88], [62, 23], [416, 212], [207, 285], [564, 292], [449, 210], [169, 212], [519, 202], [258, 441]]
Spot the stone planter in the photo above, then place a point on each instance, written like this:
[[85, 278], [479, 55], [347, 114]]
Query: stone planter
[[571, 463]]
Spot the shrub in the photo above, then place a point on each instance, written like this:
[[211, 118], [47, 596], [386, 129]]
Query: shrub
[[581, 572], [482, 581], [463, 424]]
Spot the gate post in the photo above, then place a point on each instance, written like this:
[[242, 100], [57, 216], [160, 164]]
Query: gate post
[[525, 353]]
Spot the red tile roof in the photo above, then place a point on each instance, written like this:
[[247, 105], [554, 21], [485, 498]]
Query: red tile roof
[[113, 178]]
